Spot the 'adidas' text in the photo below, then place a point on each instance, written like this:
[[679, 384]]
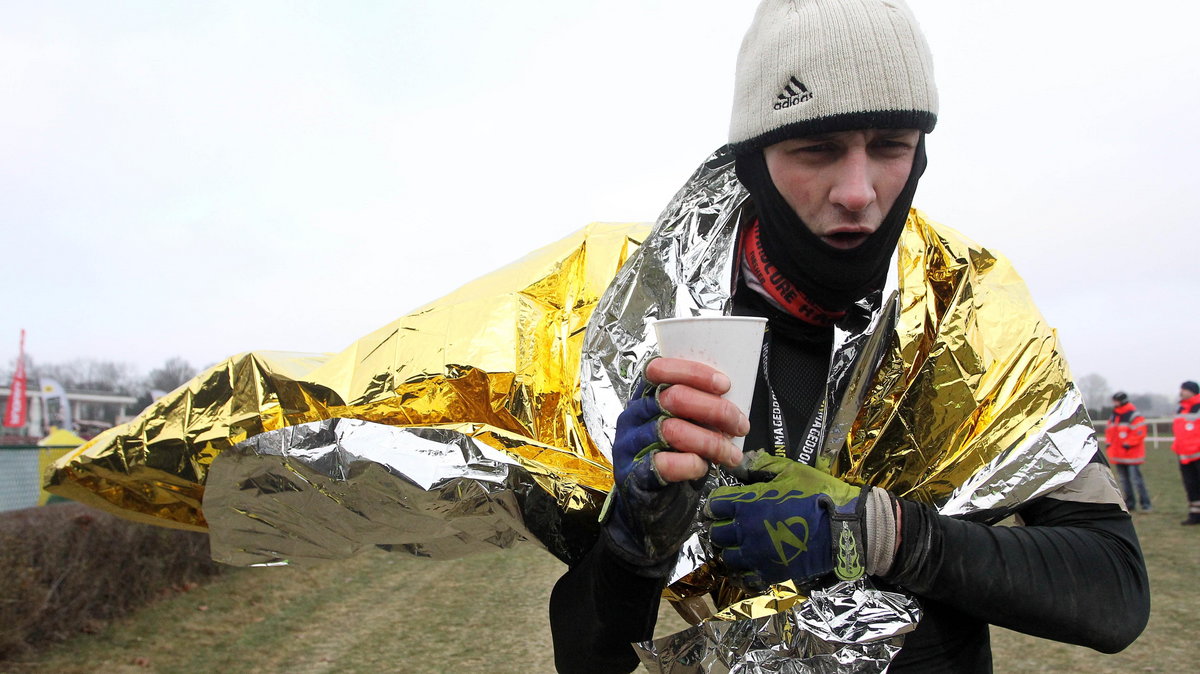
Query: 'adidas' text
[[793, 94]]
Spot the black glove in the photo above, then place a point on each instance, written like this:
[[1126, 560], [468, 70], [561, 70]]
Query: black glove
[[646, 518]]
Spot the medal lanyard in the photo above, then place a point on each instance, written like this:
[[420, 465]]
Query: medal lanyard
[[806, 450]]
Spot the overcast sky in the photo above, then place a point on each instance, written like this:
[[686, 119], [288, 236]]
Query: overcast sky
[[200, 179]]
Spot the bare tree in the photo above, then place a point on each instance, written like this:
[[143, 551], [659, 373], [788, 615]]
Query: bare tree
[[171, 375], [1096, 392], [88, 374]]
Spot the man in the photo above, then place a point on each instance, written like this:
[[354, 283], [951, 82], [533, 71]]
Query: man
[[1187, 446], [1126, 438], [832, 103]]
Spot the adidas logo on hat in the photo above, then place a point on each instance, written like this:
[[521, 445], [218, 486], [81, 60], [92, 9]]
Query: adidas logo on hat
[[793, 94]]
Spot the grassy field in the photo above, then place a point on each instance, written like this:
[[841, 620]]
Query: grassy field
[[385, 612]]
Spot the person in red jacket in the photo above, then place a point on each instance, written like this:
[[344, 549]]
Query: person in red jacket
[[1187, 446], [1126, 437]]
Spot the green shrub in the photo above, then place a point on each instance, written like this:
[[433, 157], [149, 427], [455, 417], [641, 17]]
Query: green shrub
[[67, 568]]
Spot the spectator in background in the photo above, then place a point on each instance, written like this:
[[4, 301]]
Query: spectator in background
[[1126, 437], [1187, 446]]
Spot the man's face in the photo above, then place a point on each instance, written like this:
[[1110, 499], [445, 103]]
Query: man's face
[[843, 184], [1184, 394]]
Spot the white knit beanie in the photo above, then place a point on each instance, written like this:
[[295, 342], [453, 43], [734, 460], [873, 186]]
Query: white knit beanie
[[817, 66]]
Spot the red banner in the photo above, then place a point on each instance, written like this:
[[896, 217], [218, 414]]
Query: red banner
[[14, 411]]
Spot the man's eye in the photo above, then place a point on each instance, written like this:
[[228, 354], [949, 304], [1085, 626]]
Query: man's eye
[[892, 147], [813, 149]]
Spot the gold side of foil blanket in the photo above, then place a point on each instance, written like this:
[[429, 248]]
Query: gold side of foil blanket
[[496, 362]]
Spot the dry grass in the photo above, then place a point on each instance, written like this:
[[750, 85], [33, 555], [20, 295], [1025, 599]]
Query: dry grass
[[385, 612], [68, 568], [376, 612]]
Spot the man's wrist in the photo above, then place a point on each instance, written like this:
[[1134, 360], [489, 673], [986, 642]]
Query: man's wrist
[[645, 521], [626, 554]]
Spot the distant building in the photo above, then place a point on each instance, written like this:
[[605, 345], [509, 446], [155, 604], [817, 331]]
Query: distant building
[[91, 412], [26, 452]]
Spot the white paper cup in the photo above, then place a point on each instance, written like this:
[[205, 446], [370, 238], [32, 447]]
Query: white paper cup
[[731, 344]]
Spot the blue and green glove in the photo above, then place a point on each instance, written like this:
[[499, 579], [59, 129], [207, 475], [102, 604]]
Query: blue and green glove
[[797, 523], [646, 519]]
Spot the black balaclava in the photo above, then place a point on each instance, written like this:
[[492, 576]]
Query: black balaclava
[[830, 277]]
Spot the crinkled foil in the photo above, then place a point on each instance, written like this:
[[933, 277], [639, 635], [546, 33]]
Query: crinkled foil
[[153, 469], [496, 361], [850, 627], [687, 270], [327, 489]]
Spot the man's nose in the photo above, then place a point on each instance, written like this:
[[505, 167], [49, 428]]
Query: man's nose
[[853, 188]]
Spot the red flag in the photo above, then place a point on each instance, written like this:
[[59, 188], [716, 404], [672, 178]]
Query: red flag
[[14, 411]]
